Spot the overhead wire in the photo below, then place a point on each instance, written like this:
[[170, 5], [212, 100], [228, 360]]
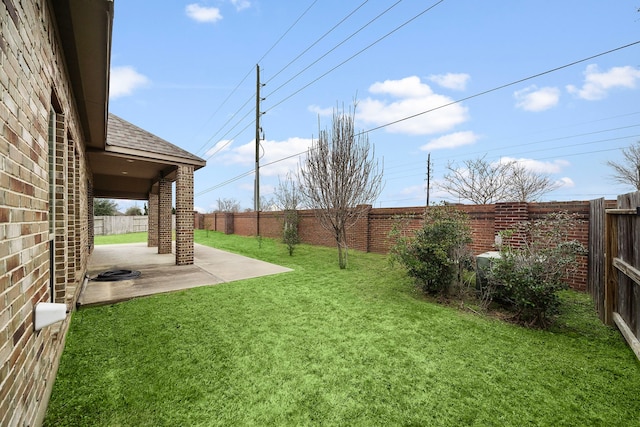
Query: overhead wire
[[353, 56], [404, 166], [227, 122], [335, 26], [476, 95], [336, 46], [502, 86], [317, 41], [249, 73]]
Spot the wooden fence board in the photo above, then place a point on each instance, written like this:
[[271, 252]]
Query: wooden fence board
[[595, 272], [622, 268]]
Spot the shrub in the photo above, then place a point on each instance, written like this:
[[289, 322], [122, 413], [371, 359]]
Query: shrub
[[436, 254], [535, 262], [290, 234]]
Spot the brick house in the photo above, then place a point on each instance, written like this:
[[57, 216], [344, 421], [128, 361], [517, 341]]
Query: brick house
[[59, 148]]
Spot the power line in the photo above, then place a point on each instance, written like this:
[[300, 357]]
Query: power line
[[227, 182], [336, 46], [334, 68], [287, 31], [232, 138], [227, 122], [353, 56], [220, 106], [420, 162], [452, 103], [503, 86], [249, 73], [317, 41]]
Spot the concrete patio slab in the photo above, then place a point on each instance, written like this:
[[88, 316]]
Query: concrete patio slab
[[159, 274]]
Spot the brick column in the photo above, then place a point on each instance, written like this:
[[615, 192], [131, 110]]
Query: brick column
[[152, 210], [164, 217], [184, 215]]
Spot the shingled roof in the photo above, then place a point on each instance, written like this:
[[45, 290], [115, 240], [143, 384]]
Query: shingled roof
[[122, 134]]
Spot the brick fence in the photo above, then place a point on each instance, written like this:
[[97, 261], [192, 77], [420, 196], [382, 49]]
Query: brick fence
[[370, 233]]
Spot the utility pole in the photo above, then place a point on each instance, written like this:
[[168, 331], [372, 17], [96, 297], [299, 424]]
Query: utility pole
[[428, 177], [256, 192]]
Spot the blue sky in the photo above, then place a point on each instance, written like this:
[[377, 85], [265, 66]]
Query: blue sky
[[186, 71]]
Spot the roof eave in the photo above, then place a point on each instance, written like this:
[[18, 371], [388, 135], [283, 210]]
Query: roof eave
[[165, 158], [85, 28]]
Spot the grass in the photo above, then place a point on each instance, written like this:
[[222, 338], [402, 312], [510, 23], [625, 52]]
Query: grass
[[120, 238], [323, 346]]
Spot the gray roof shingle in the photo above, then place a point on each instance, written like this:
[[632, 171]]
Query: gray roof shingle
[[121, 133]]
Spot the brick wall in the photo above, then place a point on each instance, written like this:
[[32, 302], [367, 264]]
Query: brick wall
[[371, 232], [33, 85]]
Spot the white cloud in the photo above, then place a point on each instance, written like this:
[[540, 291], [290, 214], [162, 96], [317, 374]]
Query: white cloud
[[320, 111], [555, 166], [565, 182], [534, 99], [451, 80], [220, 147], [203, 13], [597, 84], [199, 209], [453, 140], [241, 4], [414, 190], [124, 80], [273, 150], [413, 97]]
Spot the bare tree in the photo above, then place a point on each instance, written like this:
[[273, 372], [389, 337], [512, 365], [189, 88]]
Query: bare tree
[[479, 181], [527, 185], [227, 205], [339, 176], [287, 195], [288, 198], [627, 171]]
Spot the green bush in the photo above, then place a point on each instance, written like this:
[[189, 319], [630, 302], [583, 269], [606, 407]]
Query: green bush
[[436, 254], [290, 235], [535, 263]]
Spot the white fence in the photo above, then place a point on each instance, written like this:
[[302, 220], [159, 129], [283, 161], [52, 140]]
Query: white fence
[[108, 225]]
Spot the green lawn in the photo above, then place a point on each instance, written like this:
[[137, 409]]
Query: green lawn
[[323, 346], [120, 238]]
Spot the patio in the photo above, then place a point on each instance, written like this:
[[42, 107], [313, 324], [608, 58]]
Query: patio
[[160, 274]]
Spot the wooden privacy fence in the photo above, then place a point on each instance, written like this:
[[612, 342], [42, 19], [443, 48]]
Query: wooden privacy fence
[[621, 305], [595, 273]]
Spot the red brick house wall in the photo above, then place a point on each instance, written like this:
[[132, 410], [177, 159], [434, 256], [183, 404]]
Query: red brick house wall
[[45, 205]]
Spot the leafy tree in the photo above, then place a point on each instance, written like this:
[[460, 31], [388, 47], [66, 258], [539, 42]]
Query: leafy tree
[[627, 171], [133, 211], [104, 207], [436, 254], [146, 210], [338, 177]]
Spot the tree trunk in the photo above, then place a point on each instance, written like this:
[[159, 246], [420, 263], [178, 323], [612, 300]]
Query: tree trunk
[[343, 250]]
